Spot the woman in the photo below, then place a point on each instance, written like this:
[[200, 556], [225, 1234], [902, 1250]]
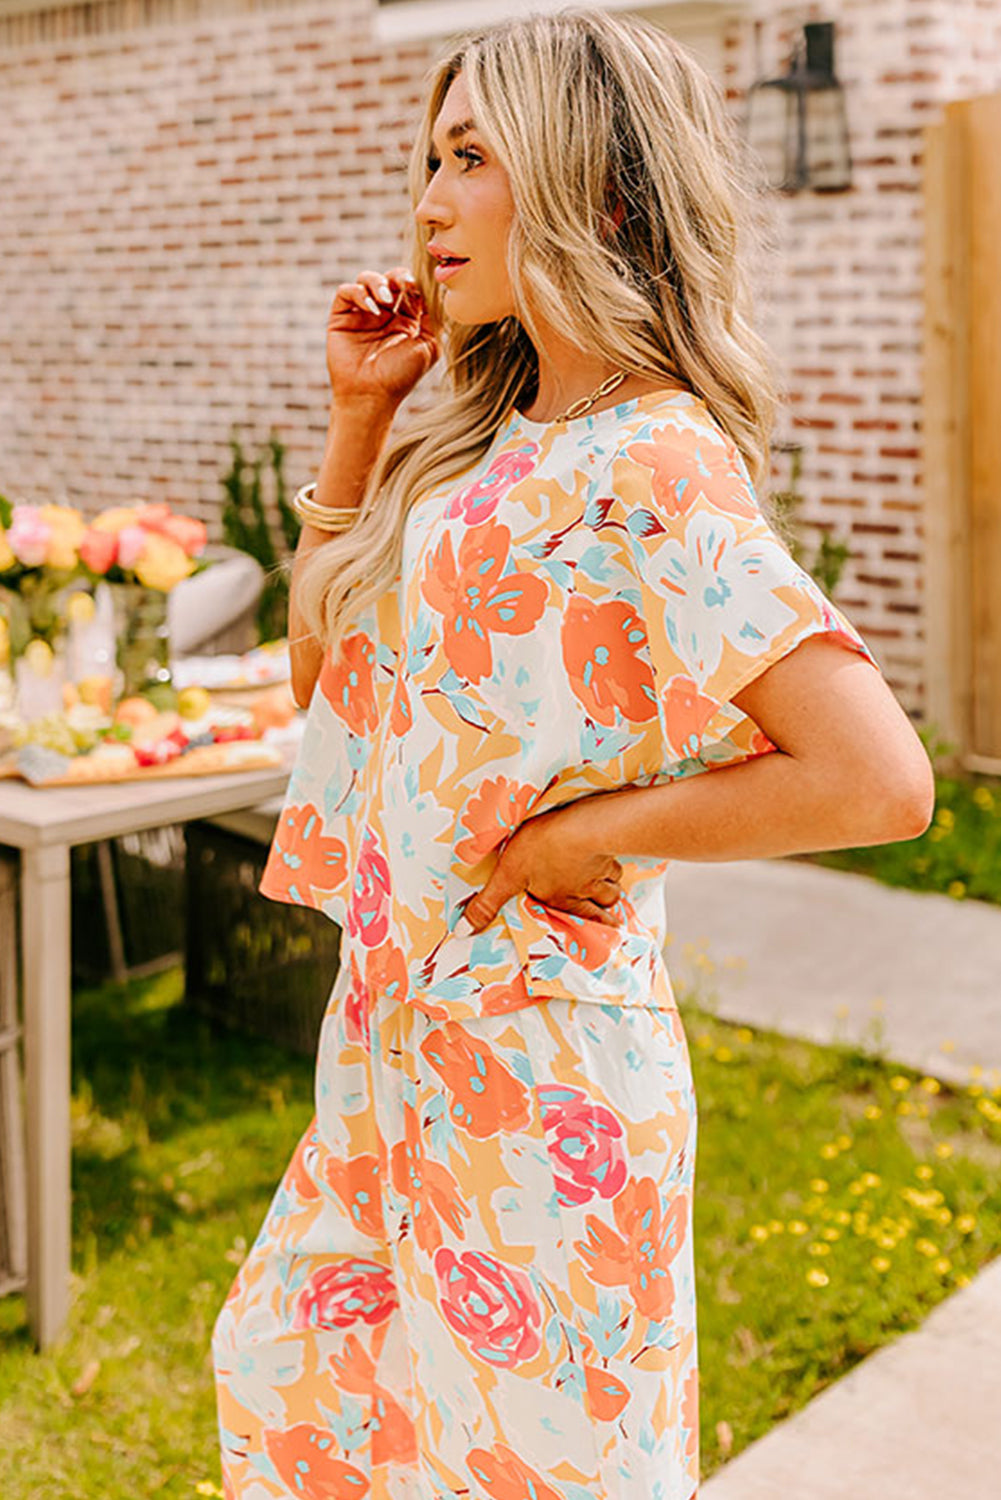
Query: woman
[[527, 627]]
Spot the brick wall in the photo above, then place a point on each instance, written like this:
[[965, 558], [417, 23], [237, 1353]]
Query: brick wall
[[186, 181]]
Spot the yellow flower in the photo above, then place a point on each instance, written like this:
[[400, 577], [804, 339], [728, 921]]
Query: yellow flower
[[905, 1107], [943, 1150], [163, 563], [796, 1226], [899, 1084], [745, 1034], [842, 1142], [944, 1216], [984, 799], [880, 1263], [975, 1090], [962, 1279], [886, 1241], [990, 1110], [66, 529], [828, 1150], [860, 1222], [931, 1085], [870, 1179], [758, 1232], [842, 1216], [856, 1189], [703, 1041], [206, 1487], [945, 817], [830, 1234], [776, 1226], [924, 1172], [116, 519], [816, 1277], [956, 889], [818, 1249], [723, 1054], [7, 558], [873, 1112], [966, 1223], [943, 1265], [818, 1185], [926, 1247]]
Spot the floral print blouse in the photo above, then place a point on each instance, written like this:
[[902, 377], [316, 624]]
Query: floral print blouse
[[575, 614]]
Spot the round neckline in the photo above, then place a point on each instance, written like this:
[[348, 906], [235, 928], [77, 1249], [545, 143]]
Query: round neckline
[[621, 409]]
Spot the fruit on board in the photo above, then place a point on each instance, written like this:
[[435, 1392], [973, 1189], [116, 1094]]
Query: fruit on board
[[135, 711], [274, 708], [95, 691], [193, 702], [162, 695]]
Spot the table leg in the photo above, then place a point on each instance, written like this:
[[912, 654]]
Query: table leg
[[45, 945]]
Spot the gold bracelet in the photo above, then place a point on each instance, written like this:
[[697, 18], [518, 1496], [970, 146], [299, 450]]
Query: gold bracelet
[[322, 517]]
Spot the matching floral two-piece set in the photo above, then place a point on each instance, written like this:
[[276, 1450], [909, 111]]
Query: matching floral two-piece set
[[476, 1277]]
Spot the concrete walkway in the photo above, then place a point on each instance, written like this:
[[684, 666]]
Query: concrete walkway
[[836, 957], [829, 956]]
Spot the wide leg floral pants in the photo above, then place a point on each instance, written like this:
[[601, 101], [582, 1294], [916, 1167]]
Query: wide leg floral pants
[[476, 1276]]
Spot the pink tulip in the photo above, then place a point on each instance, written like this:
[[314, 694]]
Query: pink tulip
[[28, 536], [97, 550], [184, 530], [131, 545]]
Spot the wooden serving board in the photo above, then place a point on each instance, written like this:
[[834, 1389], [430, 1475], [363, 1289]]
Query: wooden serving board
[[205, 760]]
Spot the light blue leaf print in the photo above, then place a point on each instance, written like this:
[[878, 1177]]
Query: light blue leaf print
[[644, 523], [595, 564], [412, 781], [349, 1425], [560, 572], [450, 683], [549, 968], [604, 1327], [521, 1067], [575, 1492], [522, 677], [467, 710], [648, 1438], [599, 744], [554, 1336], [261, 1464], [597, 509], [571, 1378]]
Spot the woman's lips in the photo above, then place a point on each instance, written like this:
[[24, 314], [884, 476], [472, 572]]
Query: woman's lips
[[447, 268]]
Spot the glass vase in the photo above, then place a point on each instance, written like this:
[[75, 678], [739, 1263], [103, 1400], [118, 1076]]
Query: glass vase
[[142, 639], [36, 634]]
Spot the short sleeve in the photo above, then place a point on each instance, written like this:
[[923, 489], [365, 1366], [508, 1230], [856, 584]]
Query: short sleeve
[[722, 597]]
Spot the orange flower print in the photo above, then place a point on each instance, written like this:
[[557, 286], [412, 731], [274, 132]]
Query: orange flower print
[[303, 861], [505, 1477], [640, 1254], [486, 1096], [494, 811], [346, 1292], [305, 1463], [299, 1174], [429, 1186], [607, 661], [368, 909], [690, 1413], [688, 465], [588, 942], [687, 712], [348, 684], [394, 1438], [478, 501], [607, 1395], [489, 1304], [401, 715], [497, 999], [477, 596], [358, 1183]]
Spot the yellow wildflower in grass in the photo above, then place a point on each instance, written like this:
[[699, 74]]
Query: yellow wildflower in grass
[[828, 1150], [899, 1084], [922, 1111], [925, 1172], [818, 1185], [937, 834], [984, 798], [830, 1234], [796, 1226], [816, 1277], [962, 1279], [703, 1041], [990, 1110], [944, 1216], [842, 1142], [905, 1107], [956, 889], [871, 1179], [966, 1223], [842, 1216], [930, 1085], [758, 1232], [943, 1265], [975, 1090], [723, 1054], [745, 1034], [886, 1241], [926, 1247], [776, 1226], [880, 1263], [860, 1223], [856, 1188], [818, 1249], [873, 1112], [943, 1150], [206, 1487], [945, 817]]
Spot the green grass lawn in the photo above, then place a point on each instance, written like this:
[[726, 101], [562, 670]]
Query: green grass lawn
[[838, 1200], [959, 855]]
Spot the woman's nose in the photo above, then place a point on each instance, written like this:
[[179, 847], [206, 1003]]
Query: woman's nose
[[430, 210]]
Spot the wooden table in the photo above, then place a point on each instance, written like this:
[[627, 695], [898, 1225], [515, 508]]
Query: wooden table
[[44, 824]]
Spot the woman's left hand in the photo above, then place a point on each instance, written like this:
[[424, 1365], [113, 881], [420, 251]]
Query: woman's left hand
[[551, 858]]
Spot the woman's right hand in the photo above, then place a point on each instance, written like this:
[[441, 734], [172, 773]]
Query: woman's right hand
[[379, 354]]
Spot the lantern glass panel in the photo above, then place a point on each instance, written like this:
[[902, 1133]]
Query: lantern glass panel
[[772, 131], [827, 155]]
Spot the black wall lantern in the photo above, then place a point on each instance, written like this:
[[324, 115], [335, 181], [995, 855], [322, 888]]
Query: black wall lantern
[[797, 123]]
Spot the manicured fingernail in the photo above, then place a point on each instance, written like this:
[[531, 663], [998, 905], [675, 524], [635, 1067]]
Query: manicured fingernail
[[384, 294], [372, 306], [464, 928]]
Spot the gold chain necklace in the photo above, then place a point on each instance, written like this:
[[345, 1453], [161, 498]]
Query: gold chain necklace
[[578, 408]]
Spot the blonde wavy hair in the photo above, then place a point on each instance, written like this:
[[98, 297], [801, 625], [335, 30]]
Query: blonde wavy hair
[[596, 118]]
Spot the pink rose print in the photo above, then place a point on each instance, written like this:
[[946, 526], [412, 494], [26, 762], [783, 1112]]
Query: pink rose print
[[339, 1296], [491, 1305], [585, 1143], [478, 501], [368, 911]]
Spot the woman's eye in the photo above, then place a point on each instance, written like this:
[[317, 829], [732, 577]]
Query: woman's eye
[[470, 157]]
